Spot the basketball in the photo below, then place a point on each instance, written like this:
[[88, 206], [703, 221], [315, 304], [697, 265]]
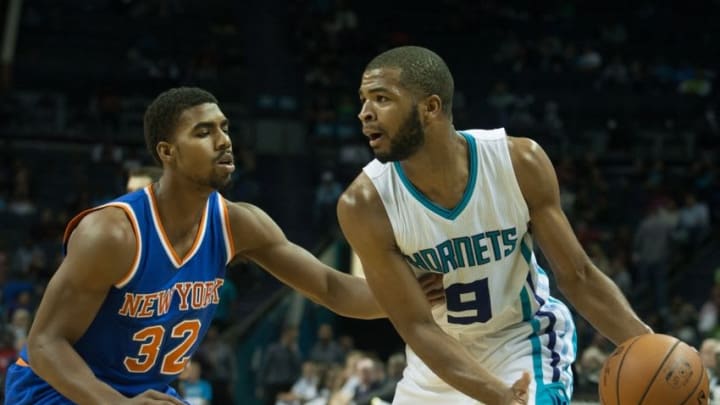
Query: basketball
[[654, 369]]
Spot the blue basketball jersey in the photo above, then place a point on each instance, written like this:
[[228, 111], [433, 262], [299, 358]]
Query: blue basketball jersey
[[153, 320]]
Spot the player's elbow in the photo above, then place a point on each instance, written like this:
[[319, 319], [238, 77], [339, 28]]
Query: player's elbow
[[38, 351], [418, 333], [326, 293], [424, 337], [571, 281]]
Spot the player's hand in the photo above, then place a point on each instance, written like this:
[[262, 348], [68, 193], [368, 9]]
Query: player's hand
[[152, 397], [518, 393], [432, 286]]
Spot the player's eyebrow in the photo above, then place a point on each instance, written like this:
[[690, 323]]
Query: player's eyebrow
[[209, 124], [375, 89]]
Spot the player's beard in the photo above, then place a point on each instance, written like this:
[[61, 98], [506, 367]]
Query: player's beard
[[214, 179], [219, 181], [408, 139]]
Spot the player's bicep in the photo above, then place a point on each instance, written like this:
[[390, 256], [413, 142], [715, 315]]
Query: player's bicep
[[252, 229], [556, 239], [295, 267], [263, 242]]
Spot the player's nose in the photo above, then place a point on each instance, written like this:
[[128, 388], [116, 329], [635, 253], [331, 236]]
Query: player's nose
[[223, 141], [366, 113]]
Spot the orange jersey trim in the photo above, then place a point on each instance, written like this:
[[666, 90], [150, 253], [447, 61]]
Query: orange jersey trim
[[228, 229], [199, 235]]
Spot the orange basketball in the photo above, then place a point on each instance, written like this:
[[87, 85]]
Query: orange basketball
[[654, 369]]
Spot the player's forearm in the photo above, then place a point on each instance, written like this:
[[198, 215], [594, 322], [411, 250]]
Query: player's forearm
[[600, 301], [351, 296], [454, 363], [60, 366]]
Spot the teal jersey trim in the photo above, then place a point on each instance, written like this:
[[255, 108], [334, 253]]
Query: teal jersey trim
[[469, 189], [534, 339], [526, 252], [528, 316]]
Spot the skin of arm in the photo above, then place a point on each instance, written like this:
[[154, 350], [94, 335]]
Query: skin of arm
[[367, 227], [100, 252], [259, 238], [589, 290]]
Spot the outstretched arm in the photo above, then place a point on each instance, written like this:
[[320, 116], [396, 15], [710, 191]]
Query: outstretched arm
[[100, 252], [367, 228], [260, 239], [588, 289]]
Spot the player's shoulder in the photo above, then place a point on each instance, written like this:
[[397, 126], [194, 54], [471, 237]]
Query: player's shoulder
[[242, 210], [360, 208], [246, 216], [361, 195], [108, 226], [525, 152]]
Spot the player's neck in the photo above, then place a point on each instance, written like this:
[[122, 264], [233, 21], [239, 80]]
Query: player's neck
[[443, 148], [180, 206], [440, 168]]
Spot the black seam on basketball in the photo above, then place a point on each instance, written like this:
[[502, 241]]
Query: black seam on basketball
[[617, 377], [652, 380], [700, 380]]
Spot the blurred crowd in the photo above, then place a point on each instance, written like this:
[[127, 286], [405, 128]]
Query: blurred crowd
[[334, 372]]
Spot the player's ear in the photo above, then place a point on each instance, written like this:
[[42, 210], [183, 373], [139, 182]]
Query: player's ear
[[164, 151], [432, 106]]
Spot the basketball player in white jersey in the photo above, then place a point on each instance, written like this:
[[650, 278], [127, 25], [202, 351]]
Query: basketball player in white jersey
[[470, 205]]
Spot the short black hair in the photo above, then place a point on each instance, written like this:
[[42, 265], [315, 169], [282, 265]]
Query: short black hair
[[163, 113], [421, 71]]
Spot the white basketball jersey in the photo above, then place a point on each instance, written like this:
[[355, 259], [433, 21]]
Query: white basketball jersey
[[482, 245], [497, 298]]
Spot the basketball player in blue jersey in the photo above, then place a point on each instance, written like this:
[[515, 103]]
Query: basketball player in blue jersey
[[140, 281], [469, 205]]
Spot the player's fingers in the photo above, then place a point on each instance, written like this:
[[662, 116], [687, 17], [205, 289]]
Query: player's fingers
[[161, 397], [437, 302], [431, 281], [433, 295], [434, 292], [520, 390], [521, 386]]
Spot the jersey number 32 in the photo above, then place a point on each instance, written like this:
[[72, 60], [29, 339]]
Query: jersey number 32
[[151, 339]]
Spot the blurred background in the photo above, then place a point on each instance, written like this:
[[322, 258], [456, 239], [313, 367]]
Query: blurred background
[[620, 94]]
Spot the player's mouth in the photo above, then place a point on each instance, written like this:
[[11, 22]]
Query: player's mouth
[[375, 139], [374, 135], [227, 162]]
